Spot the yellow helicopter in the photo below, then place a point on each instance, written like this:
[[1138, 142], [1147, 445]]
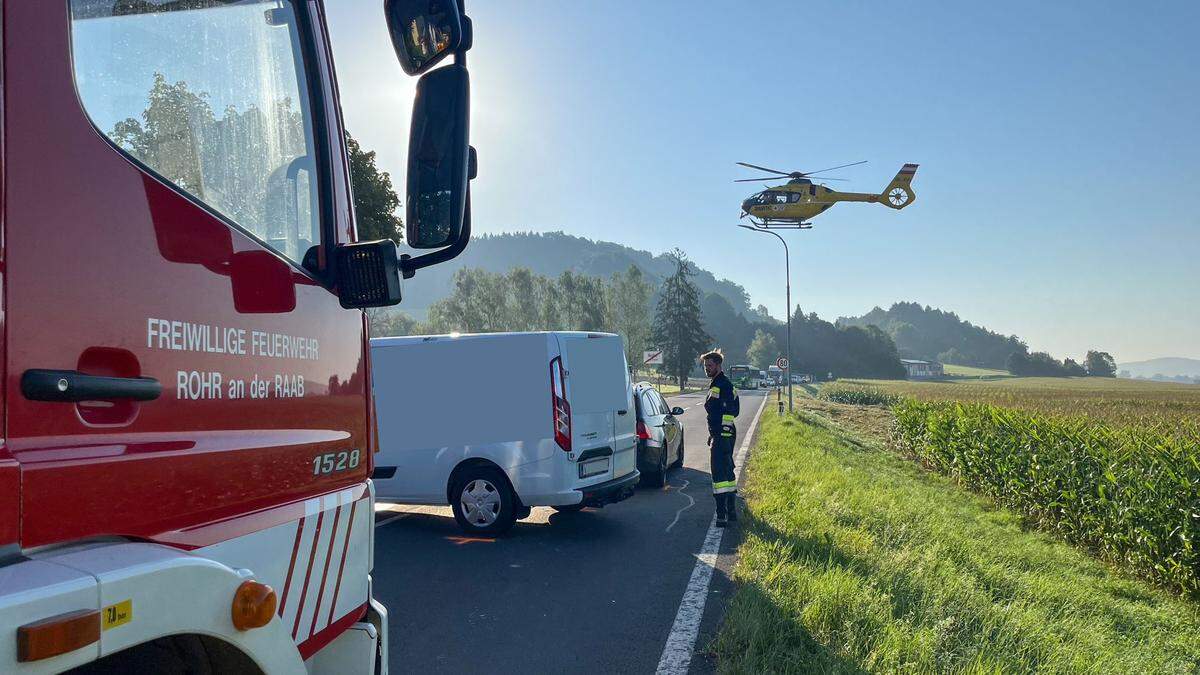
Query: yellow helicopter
[[800, 199]]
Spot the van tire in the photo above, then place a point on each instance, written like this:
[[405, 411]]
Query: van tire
[[568, 508], [485, 480]]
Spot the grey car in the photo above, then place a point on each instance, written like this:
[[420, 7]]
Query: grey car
[[659, 433]]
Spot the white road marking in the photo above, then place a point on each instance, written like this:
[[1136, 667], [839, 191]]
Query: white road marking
[[385, 521], [677, 513], [681, 642]]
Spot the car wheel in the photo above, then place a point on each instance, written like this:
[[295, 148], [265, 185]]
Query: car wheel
[[483, 503], [679, 459], [568, 508], [657, 479]]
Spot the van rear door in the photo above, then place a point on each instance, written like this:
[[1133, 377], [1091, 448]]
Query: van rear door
[[601, 405]]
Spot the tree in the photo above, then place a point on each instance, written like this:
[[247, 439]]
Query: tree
[[477, 304], [1017, 363], [763, 350], [1073, 368], [678, 326], [580, 302], [1100, 364], [952, 355], [628, 300], [376, 204], [386, 323]]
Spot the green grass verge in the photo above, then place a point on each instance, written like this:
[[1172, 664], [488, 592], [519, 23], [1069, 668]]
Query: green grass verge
[[855, 559]]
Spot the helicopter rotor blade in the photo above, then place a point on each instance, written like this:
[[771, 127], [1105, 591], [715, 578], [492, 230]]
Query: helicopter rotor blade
[[764, 179], [763, 168], [809, 173]]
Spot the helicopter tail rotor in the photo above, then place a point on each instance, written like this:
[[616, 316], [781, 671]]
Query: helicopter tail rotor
[[899, 193]]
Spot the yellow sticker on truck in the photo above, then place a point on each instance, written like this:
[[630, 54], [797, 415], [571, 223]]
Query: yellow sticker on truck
[[118, 614]]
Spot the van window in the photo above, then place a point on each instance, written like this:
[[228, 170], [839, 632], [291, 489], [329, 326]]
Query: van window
[[596, 374], [211, 96]]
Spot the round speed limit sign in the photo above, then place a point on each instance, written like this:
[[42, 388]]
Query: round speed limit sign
[[782, 363]]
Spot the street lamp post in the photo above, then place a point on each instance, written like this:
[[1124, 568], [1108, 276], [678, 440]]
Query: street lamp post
[[787, 269]]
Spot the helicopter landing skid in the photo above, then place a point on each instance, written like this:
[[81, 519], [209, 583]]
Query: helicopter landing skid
[[780, 225]]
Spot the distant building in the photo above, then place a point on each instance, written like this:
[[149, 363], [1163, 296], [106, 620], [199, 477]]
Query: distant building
[[922, 370]]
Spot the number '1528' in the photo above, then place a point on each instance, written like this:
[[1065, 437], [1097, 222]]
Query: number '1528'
[[333, 462]]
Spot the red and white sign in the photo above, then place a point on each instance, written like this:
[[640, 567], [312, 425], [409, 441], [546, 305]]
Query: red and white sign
[[652, 357], [781, 363]]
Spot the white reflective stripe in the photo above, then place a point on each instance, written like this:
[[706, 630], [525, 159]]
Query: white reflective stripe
[[719, 491]]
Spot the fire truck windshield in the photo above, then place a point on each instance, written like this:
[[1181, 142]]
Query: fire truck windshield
[[212, 97]]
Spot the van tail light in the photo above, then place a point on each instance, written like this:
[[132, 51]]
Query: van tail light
[[559, 408], [642, 432]]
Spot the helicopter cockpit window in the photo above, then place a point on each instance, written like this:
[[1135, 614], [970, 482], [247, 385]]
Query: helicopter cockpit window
[[793, 197], [779, 198]]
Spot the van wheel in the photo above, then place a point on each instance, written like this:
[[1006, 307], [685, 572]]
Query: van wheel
[[482, 501], [568, 508]]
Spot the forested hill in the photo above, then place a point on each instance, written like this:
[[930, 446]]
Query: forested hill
[[550, 254], [927, 333]]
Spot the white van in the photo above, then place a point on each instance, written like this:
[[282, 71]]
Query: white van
[[493, 424]]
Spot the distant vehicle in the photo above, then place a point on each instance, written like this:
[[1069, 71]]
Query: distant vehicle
[[765, 380], [776, 374], [801, 379], [743, 377], [659, 434], [493, 453]]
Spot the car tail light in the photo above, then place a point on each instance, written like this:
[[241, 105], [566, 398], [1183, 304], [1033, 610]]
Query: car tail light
[[642, 432], [560, 409]]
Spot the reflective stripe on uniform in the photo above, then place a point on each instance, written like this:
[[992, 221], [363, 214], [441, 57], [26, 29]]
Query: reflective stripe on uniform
[[735, 392], [727, 419], [727, 434], [722, 487], [714, 392]]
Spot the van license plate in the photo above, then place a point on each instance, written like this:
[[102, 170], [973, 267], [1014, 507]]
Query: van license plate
[[594, 467]]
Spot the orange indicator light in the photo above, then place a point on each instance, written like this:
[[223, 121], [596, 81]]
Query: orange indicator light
[[58, 635], [254, 605]]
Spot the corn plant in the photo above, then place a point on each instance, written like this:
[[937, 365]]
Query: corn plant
[[856, 395], [1129, 493]]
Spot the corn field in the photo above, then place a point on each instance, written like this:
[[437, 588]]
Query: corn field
[[856, 395], [1129, 493]]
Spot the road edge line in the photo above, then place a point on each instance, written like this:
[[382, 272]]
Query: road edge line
[[677, 653]]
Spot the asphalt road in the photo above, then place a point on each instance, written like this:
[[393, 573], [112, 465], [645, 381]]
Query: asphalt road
[[594, 591]]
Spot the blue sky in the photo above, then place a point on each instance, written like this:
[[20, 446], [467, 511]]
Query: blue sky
[[1058, 142]]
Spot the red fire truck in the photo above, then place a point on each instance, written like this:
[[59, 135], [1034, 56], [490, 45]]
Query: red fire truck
[[184, 472]]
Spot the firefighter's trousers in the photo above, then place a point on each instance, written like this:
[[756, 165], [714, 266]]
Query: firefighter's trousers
[[723, 480]]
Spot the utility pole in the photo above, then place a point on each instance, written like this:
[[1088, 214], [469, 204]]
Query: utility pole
[[787, 269]]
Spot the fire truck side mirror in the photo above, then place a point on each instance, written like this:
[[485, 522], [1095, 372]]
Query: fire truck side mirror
[[368, 274], [439, 159], [425, 31]]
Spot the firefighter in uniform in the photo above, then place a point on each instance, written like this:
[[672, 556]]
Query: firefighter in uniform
[[721, 408]]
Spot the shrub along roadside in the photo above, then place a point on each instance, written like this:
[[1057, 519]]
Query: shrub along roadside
[[1131, 494], [856, 559]]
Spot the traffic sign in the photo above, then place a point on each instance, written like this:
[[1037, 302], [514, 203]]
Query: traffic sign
[[781, 363], [652, 357]]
